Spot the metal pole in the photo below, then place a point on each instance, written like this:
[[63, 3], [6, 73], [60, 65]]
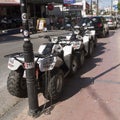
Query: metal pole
[[29, 62], [97, 7], [91, 8], [111, 6]]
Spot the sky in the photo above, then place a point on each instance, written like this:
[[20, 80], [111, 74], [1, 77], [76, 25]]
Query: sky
[[102, 3]]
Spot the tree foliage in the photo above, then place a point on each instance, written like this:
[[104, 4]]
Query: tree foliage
[[118, 7]]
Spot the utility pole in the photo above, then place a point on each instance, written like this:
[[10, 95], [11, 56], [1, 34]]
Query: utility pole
[[111, 7], [97, 7], [29, 62], [91, 8]]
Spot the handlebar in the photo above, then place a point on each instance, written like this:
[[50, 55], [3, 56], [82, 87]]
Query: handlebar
[[45, 56], [14, 54]]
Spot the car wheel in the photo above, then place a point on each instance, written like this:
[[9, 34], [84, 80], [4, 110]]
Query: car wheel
[[55, 86], [95, 41]]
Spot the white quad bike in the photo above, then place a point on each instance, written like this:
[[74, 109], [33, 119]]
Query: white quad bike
[[88, 35], [82, 40], [53, 63]]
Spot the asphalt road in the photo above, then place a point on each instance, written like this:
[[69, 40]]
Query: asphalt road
[[93, 93]]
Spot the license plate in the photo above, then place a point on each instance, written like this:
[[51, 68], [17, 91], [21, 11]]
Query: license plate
[[47, 63]]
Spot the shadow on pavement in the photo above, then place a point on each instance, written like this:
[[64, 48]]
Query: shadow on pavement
[[112, 32], [10, 38], [75, 83]]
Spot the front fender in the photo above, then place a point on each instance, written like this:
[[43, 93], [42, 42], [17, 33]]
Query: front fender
[[67, 55]]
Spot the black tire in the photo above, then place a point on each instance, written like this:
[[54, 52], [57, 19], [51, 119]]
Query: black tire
[[16, 84], [107, 33], [90, 48], [95, 42], [74, 65], [55, 86], [82, 58]]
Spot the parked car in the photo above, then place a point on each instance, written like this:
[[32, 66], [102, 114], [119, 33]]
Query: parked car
[[101, 25], [112, 21]]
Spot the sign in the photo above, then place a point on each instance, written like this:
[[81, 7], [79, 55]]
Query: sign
[[50, 7], [69, 1], [115, 2], [115, 7]]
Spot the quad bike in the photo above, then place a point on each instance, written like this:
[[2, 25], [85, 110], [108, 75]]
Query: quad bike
[[88, 35], [53, 63], [82, 40], [88, 38]]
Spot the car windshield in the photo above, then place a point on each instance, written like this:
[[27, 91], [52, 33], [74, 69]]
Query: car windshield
[[108, 18]]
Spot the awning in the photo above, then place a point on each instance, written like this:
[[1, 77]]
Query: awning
[[14, 2], [45, 1], [9, 2]]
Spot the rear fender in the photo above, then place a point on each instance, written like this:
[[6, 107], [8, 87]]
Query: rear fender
[[41, 48], [14, 64]]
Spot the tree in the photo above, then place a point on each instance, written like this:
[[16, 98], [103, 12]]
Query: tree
[[118, 7]]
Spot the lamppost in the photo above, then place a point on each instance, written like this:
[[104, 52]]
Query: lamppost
[[29, 62], [97, 7], [111, 7], [91, 8]]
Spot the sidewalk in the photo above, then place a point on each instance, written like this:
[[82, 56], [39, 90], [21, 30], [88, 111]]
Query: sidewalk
[[15, 36], [92, 94]]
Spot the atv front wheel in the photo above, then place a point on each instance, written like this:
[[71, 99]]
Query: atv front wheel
[[55, 86], [82, 58], [16, 84], [90, 49]]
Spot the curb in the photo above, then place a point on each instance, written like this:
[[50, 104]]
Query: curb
[[51, 33]]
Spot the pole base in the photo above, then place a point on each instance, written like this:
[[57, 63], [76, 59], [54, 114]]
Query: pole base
[[34, 113]]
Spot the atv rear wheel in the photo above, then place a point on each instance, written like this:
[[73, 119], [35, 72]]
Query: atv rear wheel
[[55, 86], [16, 84], [95, 42], [90, 49], [82, 58], [74, 65]]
